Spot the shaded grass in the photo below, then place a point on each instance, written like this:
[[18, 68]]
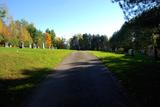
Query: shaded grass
[[22, 69], [139, 74]]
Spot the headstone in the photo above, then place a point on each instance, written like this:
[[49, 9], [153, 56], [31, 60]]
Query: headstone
[[115, 49], [43, 46], [120, 50], [131, 52], [150, 50], [21, 45], [30, 45], [6, 44], [34, 46]]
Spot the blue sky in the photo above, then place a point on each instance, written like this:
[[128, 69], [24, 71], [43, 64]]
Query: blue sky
[[68, 17]]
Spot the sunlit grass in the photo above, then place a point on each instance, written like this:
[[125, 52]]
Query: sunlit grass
[[22, 69], [13, 60]]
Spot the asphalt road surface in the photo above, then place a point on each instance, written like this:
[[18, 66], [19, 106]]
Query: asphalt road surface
[[81, 80]]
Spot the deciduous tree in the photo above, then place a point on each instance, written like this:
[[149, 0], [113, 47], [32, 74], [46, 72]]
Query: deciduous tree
[[48, 40]]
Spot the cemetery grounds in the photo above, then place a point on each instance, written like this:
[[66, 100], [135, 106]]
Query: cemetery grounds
[[22, 69]]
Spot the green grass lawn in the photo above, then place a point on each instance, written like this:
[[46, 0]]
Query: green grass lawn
[[22, 69], [139, 74]]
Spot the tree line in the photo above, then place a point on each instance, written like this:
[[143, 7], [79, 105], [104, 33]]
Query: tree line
[[139, 32], [20, 33], [89, 42]]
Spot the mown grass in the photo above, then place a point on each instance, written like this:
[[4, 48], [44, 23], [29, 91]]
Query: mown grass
[[139, 74], [22, 69]]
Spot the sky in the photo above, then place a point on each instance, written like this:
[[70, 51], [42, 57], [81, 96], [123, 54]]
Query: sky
[[69, 17]]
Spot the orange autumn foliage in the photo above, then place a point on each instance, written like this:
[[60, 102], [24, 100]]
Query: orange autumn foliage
[[48, 40], [6, 32]]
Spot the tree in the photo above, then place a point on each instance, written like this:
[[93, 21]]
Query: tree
[[74, 43], [6, 35], [32, 31], [48, 40], [104, 42], [19, 34], [93, 42], [25, 36], [139, 28], [132, 8], [3, 11], [53, 35], [60, 43], [1, 27], [3, 14], [39, 38], [21, 31], [89, 42]]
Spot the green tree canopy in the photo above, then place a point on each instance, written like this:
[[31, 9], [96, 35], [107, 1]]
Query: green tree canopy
[[132, 8], [89, 42], [3, 11]]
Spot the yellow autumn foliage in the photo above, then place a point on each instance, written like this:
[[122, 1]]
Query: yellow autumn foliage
[[1, 25]]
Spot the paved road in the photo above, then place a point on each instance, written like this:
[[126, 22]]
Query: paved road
[[81, 81]]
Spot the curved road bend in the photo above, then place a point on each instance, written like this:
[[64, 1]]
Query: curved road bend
[[80, 81]]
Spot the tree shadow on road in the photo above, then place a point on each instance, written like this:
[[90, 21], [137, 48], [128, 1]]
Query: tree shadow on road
[[84, 84], [14, 91]]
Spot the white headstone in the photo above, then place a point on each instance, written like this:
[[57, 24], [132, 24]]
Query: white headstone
[[43, 46], [30, 45], [6, 44], [22, 44], [34, 46]]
